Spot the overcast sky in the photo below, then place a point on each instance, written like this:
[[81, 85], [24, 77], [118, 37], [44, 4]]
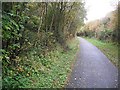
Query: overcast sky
[[97, 9]]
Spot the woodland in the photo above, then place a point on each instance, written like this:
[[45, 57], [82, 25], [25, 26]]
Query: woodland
[[105, 29], [32, 35], [39, 41]]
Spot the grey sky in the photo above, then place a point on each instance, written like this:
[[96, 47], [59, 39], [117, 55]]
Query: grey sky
[[97, 9]]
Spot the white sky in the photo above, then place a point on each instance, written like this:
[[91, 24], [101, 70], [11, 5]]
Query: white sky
[[97, 9]]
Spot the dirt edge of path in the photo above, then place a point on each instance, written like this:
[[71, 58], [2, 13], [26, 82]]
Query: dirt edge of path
[[72, 65]]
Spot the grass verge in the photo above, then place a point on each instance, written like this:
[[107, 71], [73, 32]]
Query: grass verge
[[109, 49], [37, 71]]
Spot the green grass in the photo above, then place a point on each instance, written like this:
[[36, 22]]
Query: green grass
[[109, 49], [37, 71]]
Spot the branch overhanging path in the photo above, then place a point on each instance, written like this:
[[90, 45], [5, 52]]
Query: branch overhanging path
[[92, 69]]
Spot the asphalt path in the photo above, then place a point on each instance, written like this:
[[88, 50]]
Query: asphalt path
[[92, 69]]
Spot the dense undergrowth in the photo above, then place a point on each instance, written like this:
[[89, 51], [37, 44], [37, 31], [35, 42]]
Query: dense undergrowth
[[109, 49], [34, 50], [36, 71]]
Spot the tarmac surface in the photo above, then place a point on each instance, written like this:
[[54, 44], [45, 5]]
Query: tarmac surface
[[92, 69]]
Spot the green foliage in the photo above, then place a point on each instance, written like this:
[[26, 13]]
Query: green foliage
[[39, 71], [103, 29], [31, 33], [106, 35]]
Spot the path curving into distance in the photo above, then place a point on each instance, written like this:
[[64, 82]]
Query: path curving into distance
[[92, 69]]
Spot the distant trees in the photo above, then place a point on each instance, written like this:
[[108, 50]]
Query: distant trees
[[103, 29]]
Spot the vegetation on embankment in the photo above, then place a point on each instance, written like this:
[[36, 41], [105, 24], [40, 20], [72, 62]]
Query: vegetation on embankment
[[38, 71], [35, 48], [109, 49]]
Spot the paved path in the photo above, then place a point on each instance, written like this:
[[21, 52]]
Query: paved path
[[92, 69]]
